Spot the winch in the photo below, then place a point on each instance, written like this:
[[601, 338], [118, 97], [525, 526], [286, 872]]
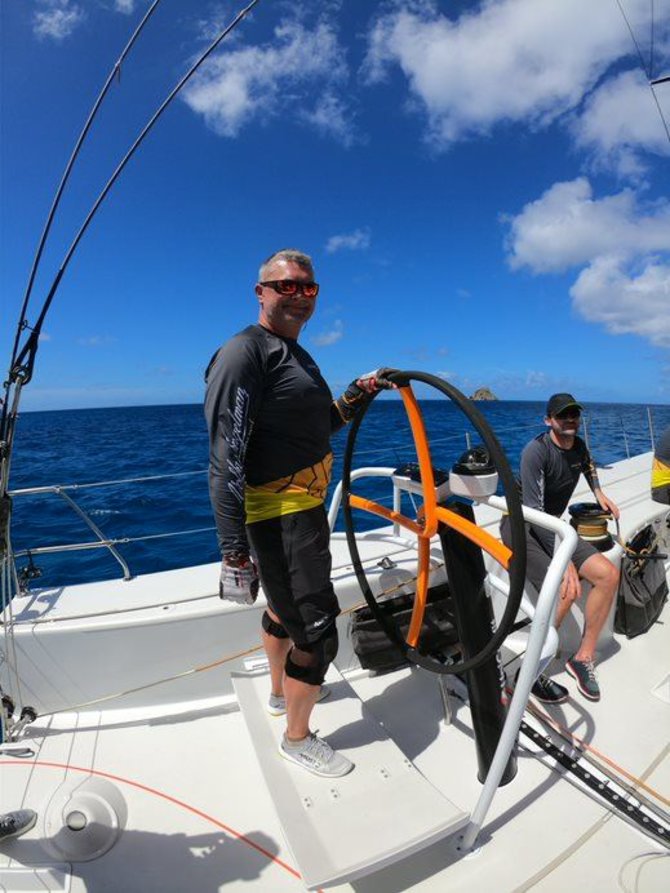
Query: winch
[[590, 521]]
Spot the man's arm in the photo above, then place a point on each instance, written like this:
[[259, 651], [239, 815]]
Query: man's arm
[[590, 473], [234, 387]]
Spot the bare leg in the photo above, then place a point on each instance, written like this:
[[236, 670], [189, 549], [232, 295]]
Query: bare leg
[[563, 608], [300, 698], [276, 651], [604, 577]]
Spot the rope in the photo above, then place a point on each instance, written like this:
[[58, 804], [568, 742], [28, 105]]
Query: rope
[[582, 745], [592, 753]]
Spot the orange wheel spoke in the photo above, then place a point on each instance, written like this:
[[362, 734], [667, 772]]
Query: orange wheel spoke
[[480, 537], [421, 595], [423, 455], [358, 502]]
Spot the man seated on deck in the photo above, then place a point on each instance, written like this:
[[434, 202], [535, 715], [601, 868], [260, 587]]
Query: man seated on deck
[[660, 470], [550, 467], [270, 415]]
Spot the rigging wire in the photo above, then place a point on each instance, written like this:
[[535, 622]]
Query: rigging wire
[[23, 359], [29, 349], [651, 43], [116, 69], [6, 426], [648, 72]]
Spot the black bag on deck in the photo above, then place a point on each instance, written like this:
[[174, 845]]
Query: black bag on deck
[[375, 650], [643, 588]]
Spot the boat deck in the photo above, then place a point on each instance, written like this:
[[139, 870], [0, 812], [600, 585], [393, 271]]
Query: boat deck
[[199, 812], [176, 798]]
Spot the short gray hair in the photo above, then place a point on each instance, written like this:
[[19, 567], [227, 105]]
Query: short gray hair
[[304, 261]]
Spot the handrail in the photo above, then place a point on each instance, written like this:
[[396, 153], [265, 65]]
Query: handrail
[[56, 488], [101, 541], [541, 630], [96, 530]]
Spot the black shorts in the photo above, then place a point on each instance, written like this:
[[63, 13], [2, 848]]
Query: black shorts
[[537, 560], [661, 494], [293, 557]]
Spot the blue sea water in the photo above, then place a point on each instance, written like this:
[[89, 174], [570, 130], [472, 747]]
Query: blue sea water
[[97, 445]]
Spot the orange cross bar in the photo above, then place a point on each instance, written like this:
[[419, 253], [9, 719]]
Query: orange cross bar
[[489, 543], [358, 502]]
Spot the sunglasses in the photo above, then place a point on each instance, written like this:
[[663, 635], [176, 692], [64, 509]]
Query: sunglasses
[[290, 287], [568, 414]]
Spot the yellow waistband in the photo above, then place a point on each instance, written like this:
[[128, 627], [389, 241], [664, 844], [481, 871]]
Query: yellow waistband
[[261, 506]]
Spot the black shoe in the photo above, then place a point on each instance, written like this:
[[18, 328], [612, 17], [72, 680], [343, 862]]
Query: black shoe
[[548, 691]]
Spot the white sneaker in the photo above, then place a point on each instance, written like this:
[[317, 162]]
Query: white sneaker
[[315, 755], [277, 703]]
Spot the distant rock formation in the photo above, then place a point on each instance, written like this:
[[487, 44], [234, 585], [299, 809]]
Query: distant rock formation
[[483, 394]]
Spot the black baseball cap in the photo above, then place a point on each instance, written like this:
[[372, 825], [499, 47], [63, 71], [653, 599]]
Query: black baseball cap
[[558, 402]]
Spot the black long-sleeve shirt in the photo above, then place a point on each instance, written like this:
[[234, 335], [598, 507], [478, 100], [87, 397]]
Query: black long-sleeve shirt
[[549, 476], [270, 415]]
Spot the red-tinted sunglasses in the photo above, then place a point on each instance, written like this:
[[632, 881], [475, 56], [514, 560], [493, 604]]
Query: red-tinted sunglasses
[[290, 287]]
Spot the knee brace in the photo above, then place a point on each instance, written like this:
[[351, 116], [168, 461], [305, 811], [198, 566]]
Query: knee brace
[[272, 628], [322, 653]]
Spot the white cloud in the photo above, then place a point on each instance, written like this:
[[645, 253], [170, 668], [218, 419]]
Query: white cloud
[[358, 240], [57, 19], [277, 79], [567, 227], [626, 303], [619, 118], [622, 246], [330, 116], [125, 6], [536, 379], [96, 341], [511, 61], [330, 337]]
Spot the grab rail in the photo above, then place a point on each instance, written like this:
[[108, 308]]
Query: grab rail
[[101, 541], [542, 638]]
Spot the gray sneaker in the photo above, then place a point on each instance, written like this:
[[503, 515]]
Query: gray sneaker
[[14, 824], [584, 673], [315, 755], [277, 703]]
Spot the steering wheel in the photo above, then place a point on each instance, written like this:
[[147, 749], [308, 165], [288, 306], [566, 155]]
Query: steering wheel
[[429, 515]]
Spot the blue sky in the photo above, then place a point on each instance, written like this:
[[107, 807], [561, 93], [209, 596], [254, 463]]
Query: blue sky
[[483, 188]]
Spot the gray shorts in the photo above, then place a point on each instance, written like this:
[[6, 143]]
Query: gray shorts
[[537, 560]]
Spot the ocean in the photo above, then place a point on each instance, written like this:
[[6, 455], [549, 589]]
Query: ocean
[[92, 446]]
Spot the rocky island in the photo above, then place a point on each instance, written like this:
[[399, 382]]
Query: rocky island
[[483, 394]]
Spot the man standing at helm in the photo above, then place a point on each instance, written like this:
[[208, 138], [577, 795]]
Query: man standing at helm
[[550, 468], [270, 415]]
